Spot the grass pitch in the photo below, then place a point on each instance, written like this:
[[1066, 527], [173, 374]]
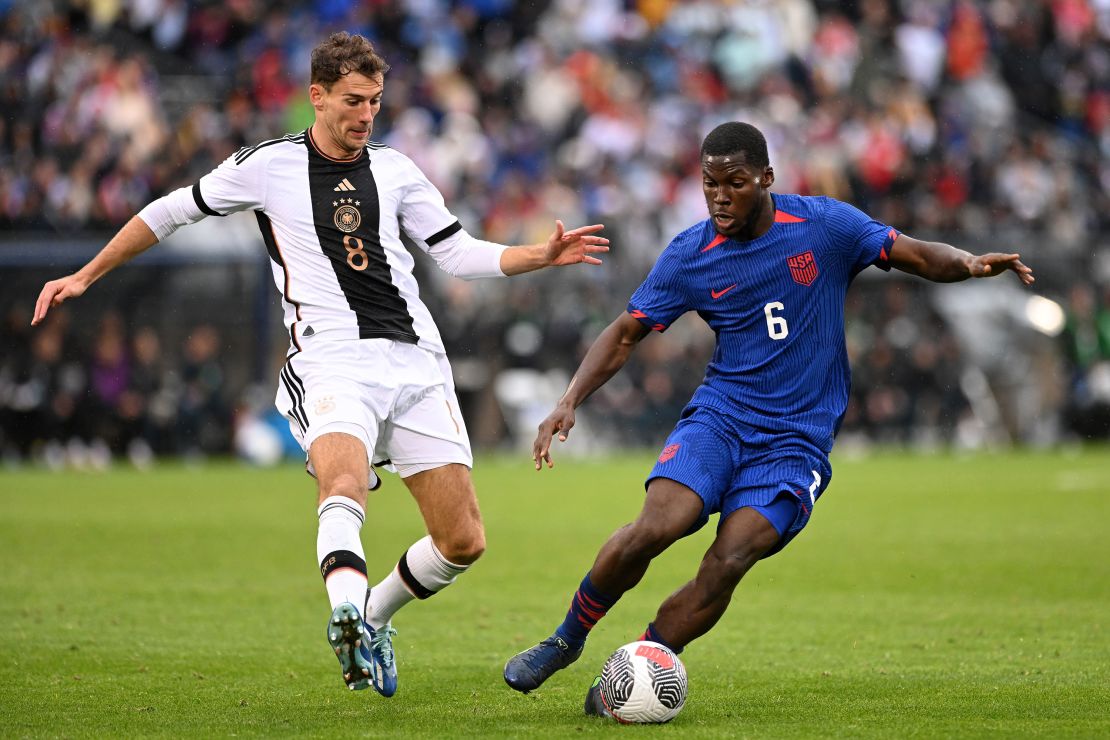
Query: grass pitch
[[929, 597]]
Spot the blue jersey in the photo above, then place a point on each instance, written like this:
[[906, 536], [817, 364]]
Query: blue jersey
[[776, 305]]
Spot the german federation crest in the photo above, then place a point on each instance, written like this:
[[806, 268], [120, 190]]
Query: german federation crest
[[347, 217], [803, 268]]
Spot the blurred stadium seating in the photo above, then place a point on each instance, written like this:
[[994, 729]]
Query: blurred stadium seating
[[985, 124]]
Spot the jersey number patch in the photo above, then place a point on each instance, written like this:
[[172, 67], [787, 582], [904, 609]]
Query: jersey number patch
[[776, 325], [356, 255]]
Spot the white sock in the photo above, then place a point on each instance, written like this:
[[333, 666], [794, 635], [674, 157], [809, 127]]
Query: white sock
[[421, 572], [339, 551]]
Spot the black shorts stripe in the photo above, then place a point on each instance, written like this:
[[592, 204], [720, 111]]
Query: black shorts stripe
[[293, 373], [200, 202], [243, 154], [338, 559], [418, 589], [295, 411], [442, 234], [297, 395]]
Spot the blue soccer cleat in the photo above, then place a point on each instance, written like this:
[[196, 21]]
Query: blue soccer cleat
[[528, 670], [595, 704], [347, 637], [383, 664]]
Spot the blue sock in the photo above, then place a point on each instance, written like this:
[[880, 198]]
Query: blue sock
[[586, 607], [652, 635]]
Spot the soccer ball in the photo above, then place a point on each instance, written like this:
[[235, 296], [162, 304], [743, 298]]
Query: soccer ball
[[643, 683]]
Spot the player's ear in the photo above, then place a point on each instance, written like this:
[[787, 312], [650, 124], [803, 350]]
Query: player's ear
[[768, 178], [316, 95]]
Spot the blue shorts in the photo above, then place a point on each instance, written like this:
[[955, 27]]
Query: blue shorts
[[730, 466]]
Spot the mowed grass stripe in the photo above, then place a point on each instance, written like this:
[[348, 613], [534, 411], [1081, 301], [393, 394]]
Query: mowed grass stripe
[[930, 597]]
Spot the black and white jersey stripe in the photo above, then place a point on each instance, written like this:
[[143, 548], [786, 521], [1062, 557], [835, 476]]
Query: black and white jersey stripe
[[333, 230]]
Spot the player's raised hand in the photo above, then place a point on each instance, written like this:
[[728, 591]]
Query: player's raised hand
[[560, 420], [574, 246], [996, 263], [57, 292]]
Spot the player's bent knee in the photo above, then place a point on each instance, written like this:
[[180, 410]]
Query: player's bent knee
[[463, 549], [348, 486], [648, 539], [725, 571]]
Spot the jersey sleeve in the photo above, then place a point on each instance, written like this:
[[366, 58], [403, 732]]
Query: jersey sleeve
[[233, 186], [860, 239], [662, 297], [238, 184], [463, 256], [422, 213]]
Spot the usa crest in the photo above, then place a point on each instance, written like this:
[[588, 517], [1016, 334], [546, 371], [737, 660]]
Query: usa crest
[[803, 267]]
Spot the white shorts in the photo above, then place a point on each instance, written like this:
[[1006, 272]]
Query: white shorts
[[399, 399]]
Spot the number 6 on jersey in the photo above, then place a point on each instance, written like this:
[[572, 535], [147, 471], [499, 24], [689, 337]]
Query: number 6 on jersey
[[776, 325]]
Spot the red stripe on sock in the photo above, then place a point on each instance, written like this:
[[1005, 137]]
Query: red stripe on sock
[[594, 614]]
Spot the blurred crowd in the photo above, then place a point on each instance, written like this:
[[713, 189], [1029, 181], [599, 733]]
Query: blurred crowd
[[72, 403], [973, 121]]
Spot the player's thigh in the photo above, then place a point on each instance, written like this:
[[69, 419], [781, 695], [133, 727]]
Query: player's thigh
[[782, 486], [341, 466], [671, 511], [743, 537], [700, 456], [425, 431], [449, 506], [321, 392]]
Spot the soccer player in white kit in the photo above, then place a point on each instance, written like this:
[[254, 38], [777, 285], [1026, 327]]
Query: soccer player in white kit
[[366, 381]]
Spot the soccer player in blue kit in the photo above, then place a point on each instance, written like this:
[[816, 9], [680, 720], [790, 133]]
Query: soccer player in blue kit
[[769, 274]]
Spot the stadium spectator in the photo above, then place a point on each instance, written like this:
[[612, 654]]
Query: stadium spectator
[[1087, 348], [203, 414]]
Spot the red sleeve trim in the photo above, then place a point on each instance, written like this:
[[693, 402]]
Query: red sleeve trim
[[644, 319]]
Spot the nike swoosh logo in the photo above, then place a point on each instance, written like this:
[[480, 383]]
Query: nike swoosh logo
[[718, 293]]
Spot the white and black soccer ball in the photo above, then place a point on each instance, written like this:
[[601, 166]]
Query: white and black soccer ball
[[643, 683]]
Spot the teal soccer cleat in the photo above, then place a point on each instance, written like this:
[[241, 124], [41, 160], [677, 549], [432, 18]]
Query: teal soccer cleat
[[347, 637], [383, 663]]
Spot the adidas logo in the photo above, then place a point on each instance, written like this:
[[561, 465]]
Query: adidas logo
[[344, 187]]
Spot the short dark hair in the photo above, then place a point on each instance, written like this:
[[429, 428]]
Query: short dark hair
[[342, 54], [735, 138]]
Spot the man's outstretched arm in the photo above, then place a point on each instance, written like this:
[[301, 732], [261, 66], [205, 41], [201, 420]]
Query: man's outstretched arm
[[606, 356], [133, 239], [943, 263], [562, 248]]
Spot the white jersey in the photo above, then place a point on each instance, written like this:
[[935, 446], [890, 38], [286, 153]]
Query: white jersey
[[333, 232]]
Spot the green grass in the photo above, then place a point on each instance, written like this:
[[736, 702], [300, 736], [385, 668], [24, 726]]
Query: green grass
[[930, 597]]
